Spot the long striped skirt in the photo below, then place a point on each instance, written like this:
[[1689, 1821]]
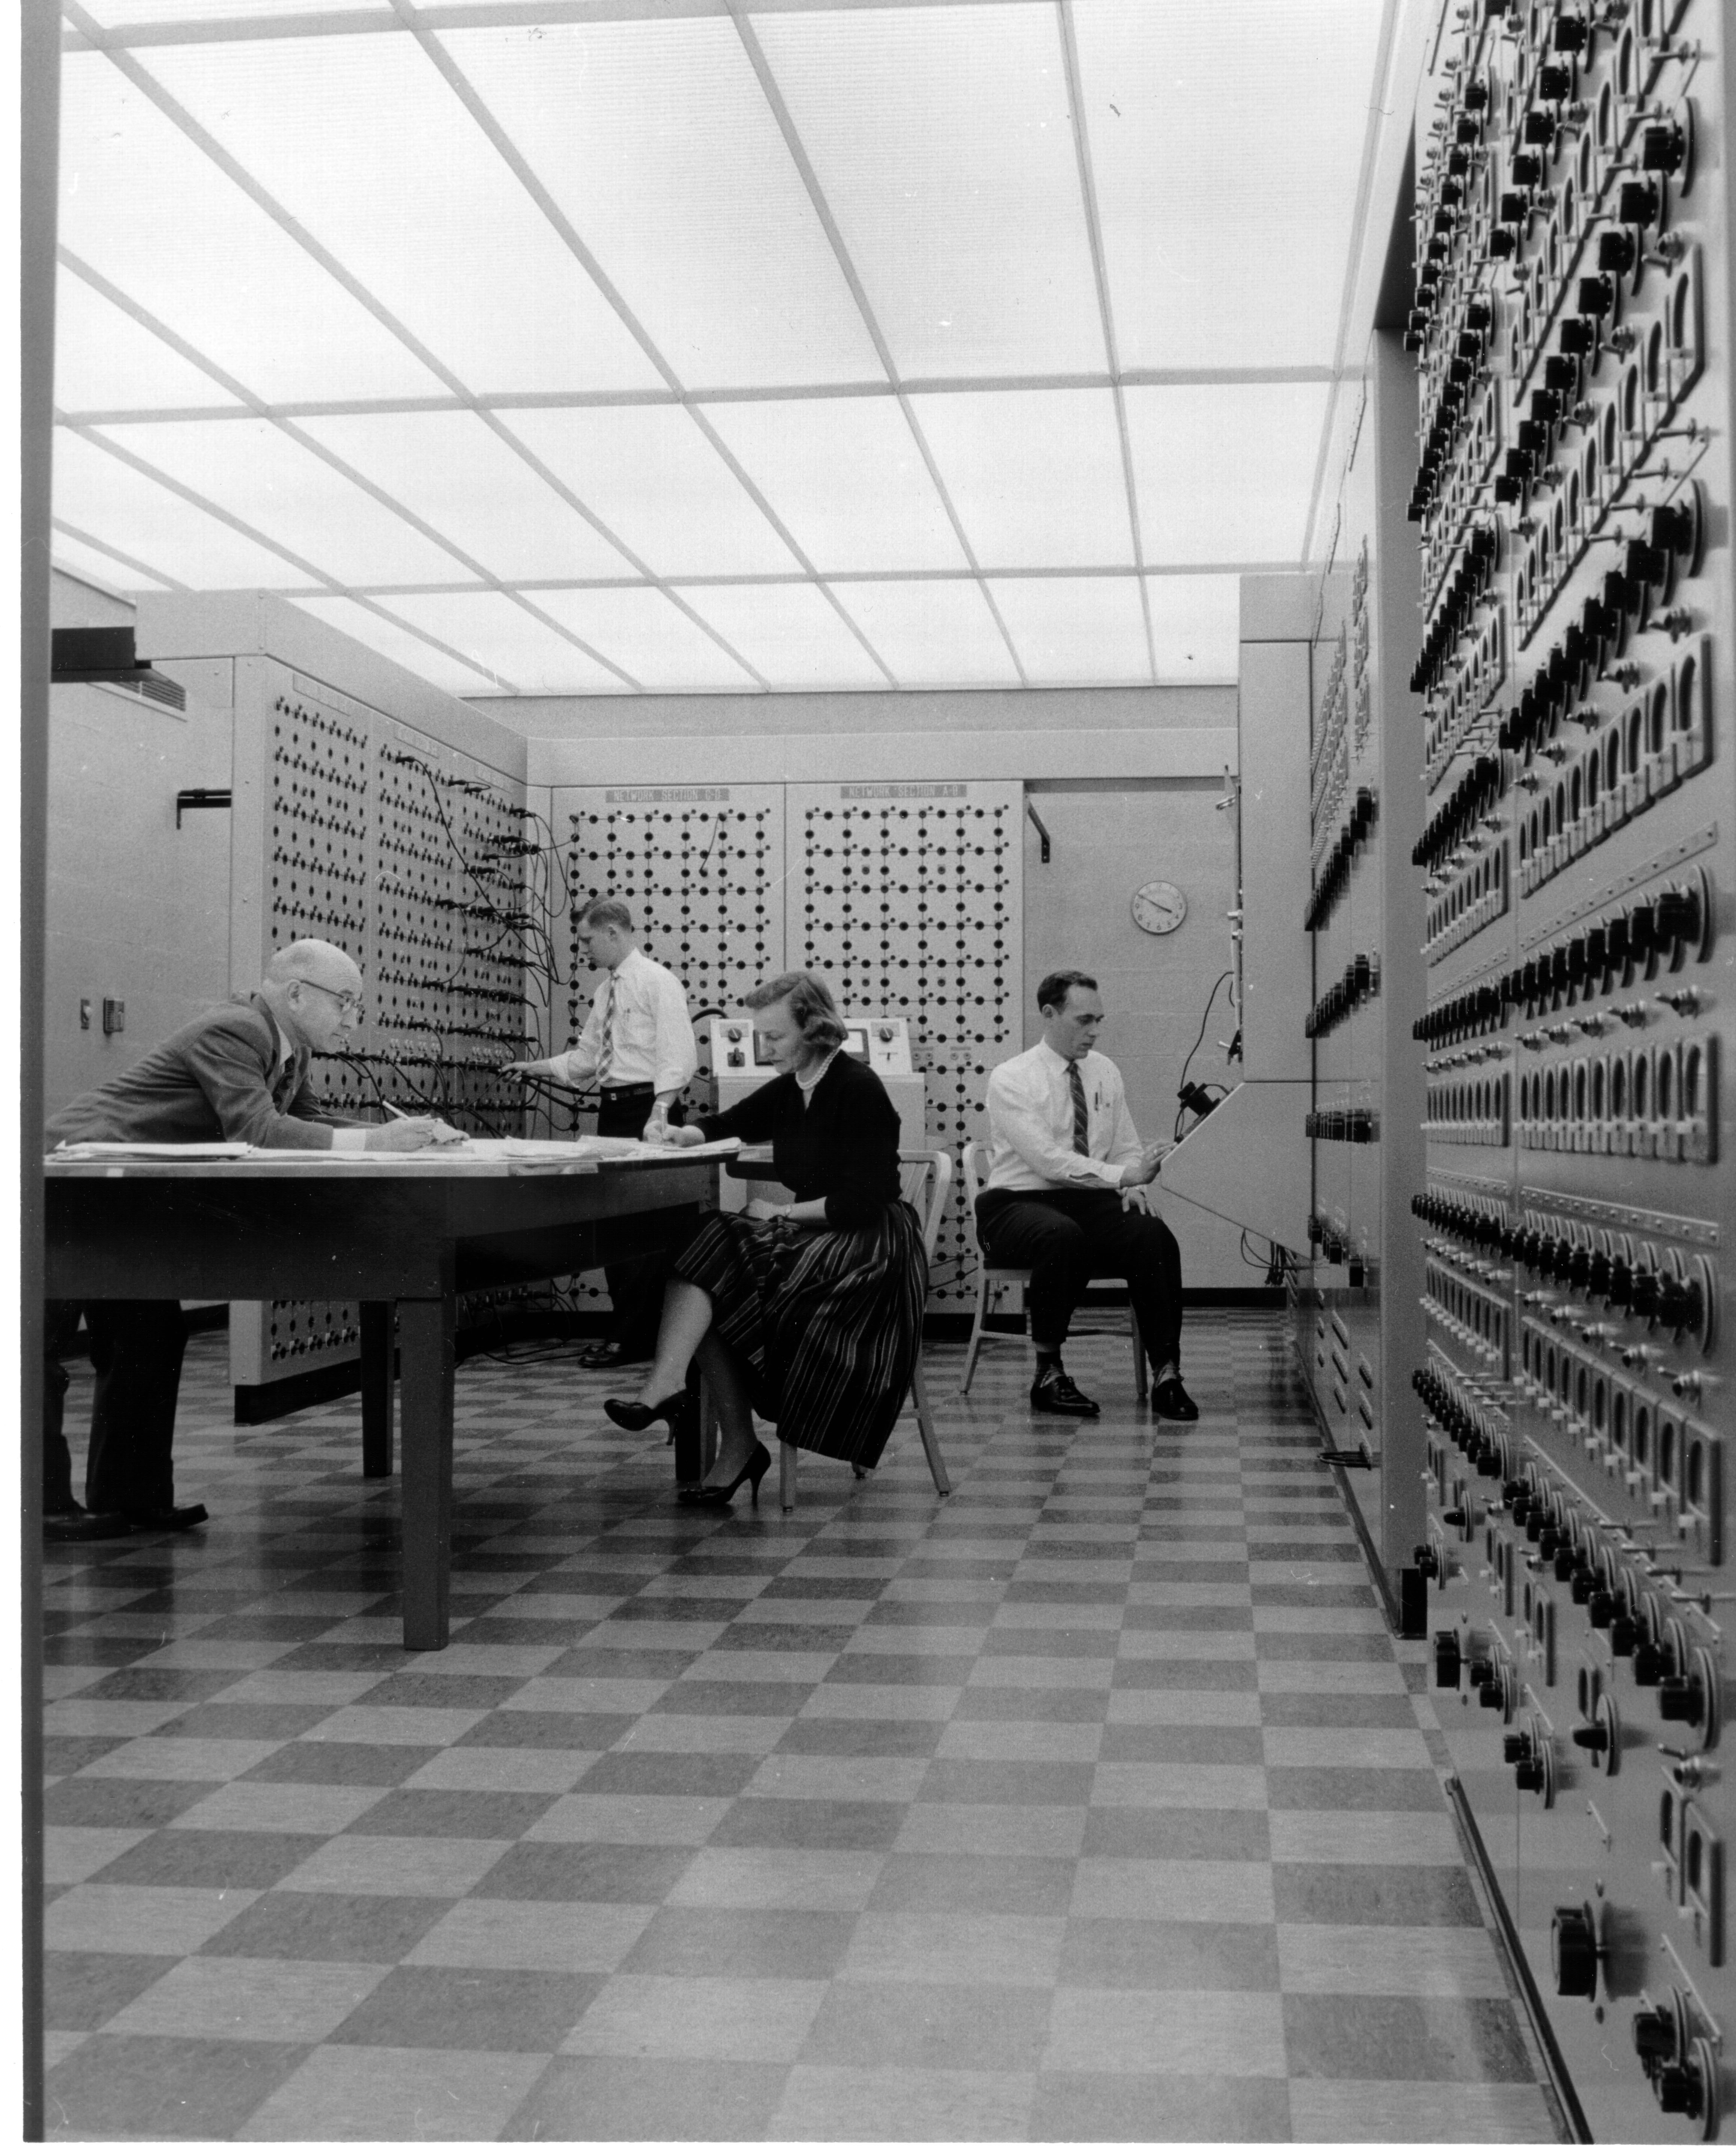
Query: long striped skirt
[[827, 1326]]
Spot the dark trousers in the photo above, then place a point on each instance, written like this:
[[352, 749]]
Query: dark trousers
[[1074, 1235], [635, 1287], [135, 1348]]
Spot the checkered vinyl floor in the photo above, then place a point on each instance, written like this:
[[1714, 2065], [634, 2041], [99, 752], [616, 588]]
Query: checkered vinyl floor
[[1094, 1801]]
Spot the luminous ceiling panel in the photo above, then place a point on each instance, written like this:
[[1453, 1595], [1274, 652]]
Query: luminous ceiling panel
[[848, 480], [104, 497], [1224, 473], [1226, 143], [659, 484], [941, 139], [932, 634], [156, 217], [423, 209], [285, 493], [1077, 631], [656, 141], [1035, 475], [645, 634], [85, 561], [1196, 624], [455, 471], [384, 635], [790, 634], [103, 360], [504, 637]]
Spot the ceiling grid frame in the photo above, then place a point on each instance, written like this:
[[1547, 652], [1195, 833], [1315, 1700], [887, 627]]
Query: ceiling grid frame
[[256, 408], [1105, 307], [172, 109], [120, 558], [471, 98], [329, 584], [661, 398], [787, 128], [931, 657]]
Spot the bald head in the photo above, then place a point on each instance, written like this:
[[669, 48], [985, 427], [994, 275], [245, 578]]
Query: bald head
[[314, 991]]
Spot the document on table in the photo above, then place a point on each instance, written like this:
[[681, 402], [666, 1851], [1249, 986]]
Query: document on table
[[174, 1151]]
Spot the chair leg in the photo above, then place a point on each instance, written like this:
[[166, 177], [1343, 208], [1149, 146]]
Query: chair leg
[[925, 1425], [1142, 1376], [786, 1475], [976, 1330]]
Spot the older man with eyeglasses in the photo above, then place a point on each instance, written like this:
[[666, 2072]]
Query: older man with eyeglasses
[[238, 1073]]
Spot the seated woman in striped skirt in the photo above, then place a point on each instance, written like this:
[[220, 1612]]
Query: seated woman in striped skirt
[[809, 1313]]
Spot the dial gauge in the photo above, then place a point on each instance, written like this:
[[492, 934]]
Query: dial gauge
[[1159, 906]]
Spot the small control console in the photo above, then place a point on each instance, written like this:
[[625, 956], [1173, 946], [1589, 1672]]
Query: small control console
[[881, 1041]]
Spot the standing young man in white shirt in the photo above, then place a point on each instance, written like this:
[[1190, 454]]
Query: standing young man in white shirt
[[638, 1048], [1066, 1197]]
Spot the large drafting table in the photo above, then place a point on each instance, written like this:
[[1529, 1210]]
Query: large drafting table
[[410, 1231]]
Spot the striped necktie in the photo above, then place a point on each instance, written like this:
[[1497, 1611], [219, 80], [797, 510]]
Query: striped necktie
[[606, 1048], [1081, 1115]]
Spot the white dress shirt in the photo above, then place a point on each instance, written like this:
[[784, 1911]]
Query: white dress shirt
[[1030, 1123], [651, 1034]]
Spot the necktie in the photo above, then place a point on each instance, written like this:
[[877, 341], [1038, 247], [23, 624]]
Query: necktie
[[1081, 1116], [284, 1087], [606, 1048]]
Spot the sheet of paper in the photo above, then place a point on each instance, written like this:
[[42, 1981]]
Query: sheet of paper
[[178, 1151]]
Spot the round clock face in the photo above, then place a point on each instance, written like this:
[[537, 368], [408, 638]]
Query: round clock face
[[1159, 906]]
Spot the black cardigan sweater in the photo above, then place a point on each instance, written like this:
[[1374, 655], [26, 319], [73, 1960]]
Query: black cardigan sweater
[[841, 1146]]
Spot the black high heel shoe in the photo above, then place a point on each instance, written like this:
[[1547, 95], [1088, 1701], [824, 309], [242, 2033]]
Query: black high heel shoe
[[720, 1494], [672, 1410]]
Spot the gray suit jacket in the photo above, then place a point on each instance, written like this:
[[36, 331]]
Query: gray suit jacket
[[216, 1079]]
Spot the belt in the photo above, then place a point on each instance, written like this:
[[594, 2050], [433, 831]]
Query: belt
[[626, 1089]]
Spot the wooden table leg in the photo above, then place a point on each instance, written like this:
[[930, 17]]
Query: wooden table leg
[[376, 1382], [426, 1327]]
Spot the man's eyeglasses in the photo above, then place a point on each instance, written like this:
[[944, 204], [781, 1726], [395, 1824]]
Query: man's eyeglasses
[[349, 1002]]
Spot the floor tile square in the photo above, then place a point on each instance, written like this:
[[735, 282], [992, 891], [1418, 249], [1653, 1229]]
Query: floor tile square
[[1105, 2105], [163, 2087], [778, 1879], [372, 2094], [951, 1947], [588, 1938], [782, 1944], [1112, 1953], [1373, 1893], [1409, 2038], [853, 2102], [1391, 2111], [648, 2099], [583, 1871], [86, 1990], [731, 2019], [447, 2009], [919, 2027], [135, 1920], [278, 2001], [290, 1926], [1213, 2032]]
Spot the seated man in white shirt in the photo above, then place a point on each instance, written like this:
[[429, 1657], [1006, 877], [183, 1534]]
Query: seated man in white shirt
[[1066, 1197], [637, 1047]]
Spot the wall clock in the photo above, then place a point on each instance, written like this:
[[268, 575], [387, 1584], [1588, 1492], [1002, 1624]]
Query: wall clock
[[1159, 906]]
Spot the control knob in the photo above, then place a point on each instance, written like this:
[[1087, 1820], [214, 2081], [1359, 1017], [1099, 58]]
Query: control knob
[[1574, 1953]]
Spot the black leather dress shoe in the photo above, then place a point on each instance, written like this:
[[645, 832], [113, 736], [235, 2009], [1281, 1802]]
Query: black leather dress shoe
[[161, 1519], [75, 1525], [1171, 1399], [601, 1357], [1055, 1395]]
